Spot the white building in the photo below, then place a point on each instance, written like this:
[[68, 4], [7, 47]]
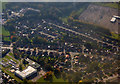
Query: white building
[[26, 73], [113, 19]]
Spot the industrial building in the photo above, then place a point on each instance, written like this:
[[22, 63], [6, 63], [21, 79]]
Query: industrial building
[[33, 64], [27, 73]]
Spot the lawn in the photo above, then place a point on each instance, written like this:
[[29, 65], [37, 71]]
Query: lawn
[[7, 39], [112, 5], [0, 59], [3, 5], [7, 57], [5, 32], [115, 36], [11, 54], [4, 60], [54, 80], [64, 19]]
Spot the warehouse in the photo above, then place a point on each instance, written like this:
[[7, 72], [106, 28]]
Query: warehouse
[[28, 73], [33, 64]]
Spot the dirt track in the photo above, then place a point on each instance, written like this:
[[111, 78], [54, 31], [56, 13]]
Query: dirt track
[[101, 16]]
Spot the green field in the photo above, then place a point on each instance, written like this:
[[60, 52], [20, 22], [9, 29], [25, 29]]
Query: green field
[[54, 80], [7, 57], [11, 54], [64, 19], [112, 4], [7, 39], [115, 36], [4, 60], [5, 32], [3, 5]]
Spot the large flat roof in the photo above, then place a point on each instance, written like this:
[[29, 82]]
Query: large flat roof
[[32, 63], [113, 19], [26, 72]]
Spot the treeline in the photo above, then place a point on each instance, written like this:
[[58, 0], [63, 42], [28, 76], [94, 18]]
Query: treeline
[[53, 9]]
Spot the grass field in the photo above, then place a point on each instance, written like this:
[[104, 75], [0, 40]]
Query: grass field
[[3, 5], [115, 36], [4, 60], [5, 32], [54, 80], [7, 57], [107, 4], [64, 19], [11, 54], [7, 39]]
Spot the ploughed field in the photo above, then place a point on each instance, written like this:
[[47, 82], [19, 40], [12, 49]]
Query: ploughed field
[[101, 16]]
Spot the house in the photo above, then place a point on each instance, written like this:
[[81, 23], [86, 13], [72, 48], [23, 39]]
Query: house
[[76, 57], [67, 56]]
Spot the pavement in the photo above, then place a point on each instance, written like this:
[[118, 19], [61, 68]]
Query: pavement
[[40, 74]]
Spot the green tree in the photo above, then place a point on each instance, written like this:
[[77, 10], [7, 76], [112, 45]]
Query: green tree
[[20, 67], [69, 77], [48, 76], [57, 73], [48, 67], [25, 81], [25, 62]]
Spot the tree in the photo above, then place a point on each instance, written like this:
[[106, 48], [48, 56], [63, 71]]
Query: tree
[[88, 45], [93, 67], [20, 67], [57, 73], [25, 81], [14, 39], [69, 77], [48, 67], [41, 62], [76, 78], [51, 54], [23, 54], [24, 62], [5, 52], [48, 76], [16, 53]]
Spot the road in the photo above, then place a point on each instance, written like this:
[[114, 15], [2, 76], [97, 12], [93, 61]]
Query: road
[[7, 48], [95, 39], [72, 56], [48, 35], [111, 78], [31, 49], [40, 74]]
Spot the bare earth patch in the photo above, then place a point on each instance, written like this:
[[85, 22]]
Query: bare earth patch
[[100, 15]]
